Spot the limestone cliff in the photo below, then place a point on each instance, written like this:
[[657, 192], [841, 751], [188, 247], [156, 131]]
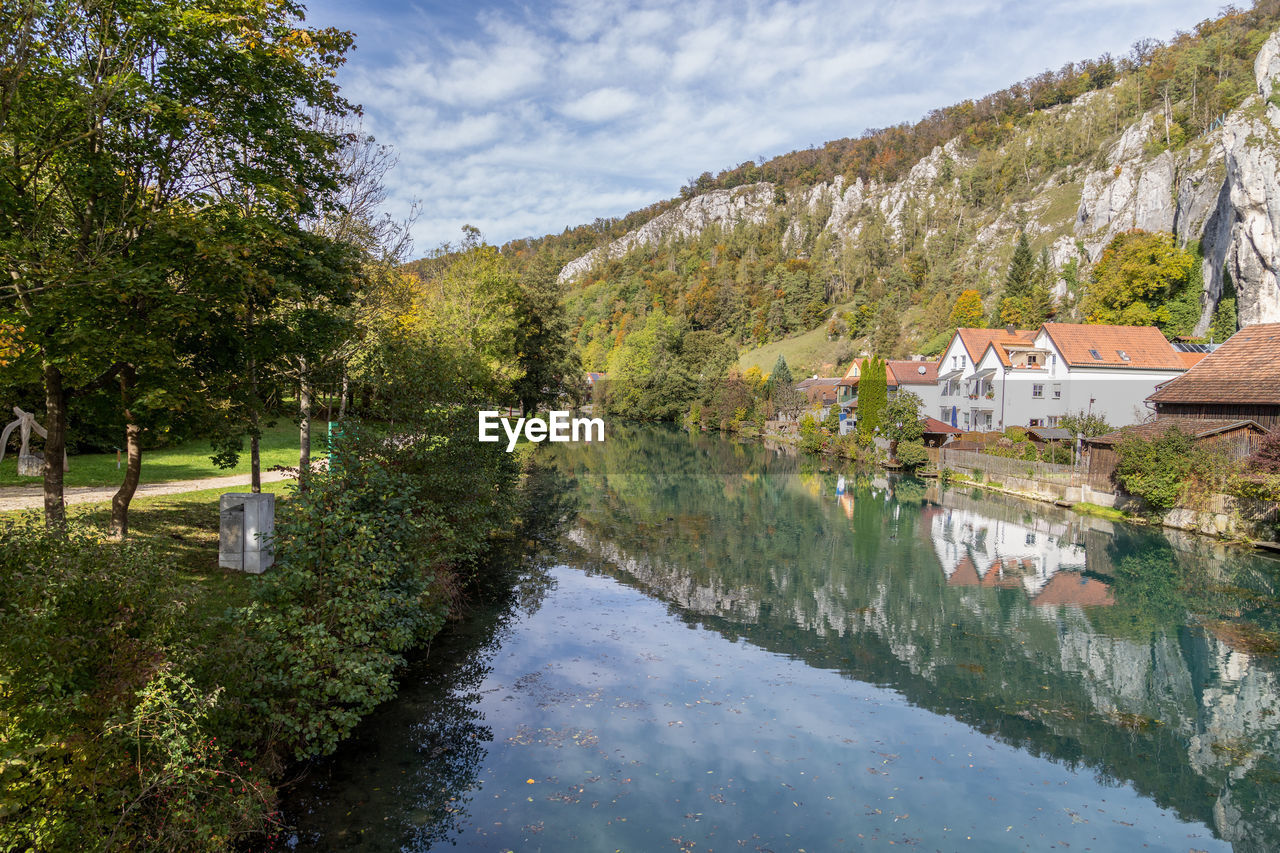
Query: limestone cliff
[[1221, 189]]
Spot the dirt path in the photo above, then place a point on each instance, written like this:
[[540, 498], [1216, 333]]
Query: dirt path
[[32, 497]]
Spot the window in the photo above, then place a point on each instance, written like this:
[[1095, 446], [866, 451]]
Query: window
[[1030, 538], [1035, 422], [988, 420], [1124, 356], [1057, 391], [1096, 355], [1037, 391], [966, 420], [1032, 359], [1053, 420], [962, 361]]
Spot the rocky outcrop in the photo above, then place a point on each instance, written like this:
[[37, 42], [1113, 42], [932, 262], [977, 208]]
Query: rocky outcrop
[[1130, 191], [725, 208], [1252, 250], [1222, 190]]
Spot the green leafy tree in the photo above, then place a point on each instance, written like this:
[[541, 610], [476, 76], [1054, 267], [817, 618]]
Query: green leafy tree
[[901, 418], [1085, 423], [117, 121], [1138, 275], [548, 363]]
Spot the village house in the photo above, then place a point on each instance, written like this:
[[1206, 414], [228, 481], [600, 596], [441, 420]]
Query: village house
[[918, 376], [1240, 380], [819, 391], [992, 379]]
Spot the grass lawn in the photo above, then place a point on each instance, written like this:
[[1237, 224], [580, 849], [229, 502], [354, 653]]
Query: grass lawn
[[805, 354], [183, 530], [187, 461]]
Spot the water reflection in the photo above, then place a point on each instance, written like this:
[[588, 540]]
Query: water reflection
[[1148, 658], [1067, 642]]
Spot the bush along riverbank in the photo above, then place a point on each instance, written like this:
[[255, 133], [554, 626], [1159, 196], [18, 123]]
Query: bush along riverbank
[[141, 712]]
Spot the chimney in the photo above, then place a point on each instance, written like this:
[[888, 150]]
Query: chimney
[[1010, 329]]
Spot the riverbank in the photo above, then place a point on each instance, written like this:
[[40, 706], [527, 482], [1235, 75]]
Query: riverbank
[[726, 646], [183, 691], [1222, 517]]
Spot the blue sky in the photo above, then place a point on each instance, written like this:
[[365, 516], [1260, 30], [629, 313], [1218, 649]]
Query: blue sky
[[525, 118]]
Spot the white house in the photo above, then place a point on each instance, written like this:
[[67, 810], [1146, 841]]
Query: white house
[[1025, 378]]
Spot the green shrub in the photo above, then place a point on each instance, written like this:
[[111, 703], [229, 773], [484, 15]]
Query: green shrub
[[912, 454], [811, 439], [368, 559], [1166, 470], [100, 745]]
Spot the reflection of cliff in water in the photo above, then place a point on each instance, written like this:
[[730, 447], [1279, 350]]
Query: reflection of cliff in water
[[1088, 644]]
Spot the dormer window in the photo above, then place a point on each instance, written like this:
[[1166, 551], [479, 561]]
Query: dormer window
[[1032, 360], [1097, 356], [1124, 356]]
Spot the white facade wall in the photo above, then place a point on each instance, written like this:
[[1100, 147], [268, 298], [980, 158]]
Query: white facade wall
[[1040, 396]]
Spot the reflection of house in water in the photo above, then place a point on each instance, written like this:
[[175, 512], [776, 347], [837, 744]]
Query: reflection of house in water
[[977, 550], [1074, 588]]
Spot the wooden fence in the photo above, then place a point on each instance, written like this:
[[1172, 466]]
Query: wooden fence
[[1001, 468]]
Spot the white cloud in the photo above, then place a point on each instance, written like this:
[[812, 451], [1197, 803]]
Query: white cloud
[[602, 105], [523, 121]]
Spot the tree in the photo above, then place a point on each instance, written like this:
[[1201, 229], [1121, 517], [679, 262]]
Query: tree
[[873, 395], [1018, 280], [117, 128], [1138, 275], [1084, 423], [781, 390], [901, 418], [1028, 291], [967, 312], [546, 358]]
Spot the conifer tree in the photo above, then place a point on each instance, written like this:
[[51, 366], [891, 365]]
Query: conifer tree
[[873, 395]]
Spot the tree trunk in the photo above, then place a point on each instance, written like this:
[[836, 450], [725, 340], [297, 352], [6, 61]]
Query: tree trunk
[[55, 445], [342, 401], [255, 458], [304, 425], [133, 460]]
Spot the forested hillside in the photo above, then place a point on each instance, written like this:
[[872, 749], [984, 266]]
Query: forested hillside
[[886, 241]]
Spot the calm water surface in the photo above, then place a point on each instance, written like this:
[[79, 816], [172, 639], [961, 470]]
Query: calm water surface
[[709, 649]]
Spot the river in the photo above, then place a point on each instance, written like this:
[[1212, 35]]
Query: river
[[704, 647]]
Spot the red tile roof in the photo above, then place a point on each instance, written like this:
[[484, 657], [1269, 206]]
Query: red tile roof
[[966, 574], [1191, 359], [936, 426], [1245, 369], [976, 340], [1146, 347], [909, 372]]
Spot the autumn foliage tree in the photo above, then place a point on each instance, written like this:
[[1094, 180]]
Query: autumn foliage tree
[[1139, 274]]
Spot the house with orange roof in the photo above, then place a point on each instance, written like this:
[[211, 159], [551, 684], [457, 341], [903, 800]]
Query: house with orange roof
[[1034, 379], [918, 376], [1239, 380]]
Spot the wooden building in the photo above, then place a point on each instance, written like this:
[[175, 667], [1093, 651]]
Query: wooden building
[[1238, 381], [1238, 438]]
